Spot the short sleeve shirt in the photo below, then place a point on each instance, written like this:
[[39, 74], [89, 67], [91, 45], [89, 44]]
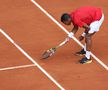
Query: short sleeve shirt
[[86, 15]]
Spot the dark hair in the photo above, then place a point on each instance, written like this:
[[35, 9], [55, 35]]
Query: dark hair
[[65, 17]]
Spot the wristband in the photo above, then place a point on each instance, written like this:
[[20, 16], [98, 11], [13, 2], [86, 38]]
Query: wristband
[[83, 34], [71, 34]]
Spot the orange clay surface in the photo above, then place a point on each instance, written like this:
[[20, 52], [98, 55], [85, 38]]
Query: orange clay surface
[[35, 32]]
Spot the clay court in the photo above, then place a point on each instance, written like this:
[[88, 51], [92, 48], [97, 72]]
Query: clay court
[[33, 32]]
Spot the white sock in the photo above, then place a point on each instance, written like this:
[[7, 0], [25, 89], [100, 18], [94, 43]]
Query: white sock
[[88, 54], [85, 47]]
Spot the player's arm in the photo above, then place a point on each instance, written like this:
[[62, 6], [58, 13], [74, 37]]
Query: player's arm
[[87, 28], [74, 30]]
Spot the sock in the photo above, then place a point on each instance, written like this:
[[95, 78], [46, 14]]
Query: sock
[[88, 54], [85, 48]]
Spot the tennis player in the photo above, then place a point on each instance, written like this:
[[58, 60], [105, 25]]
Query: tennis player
[[90, 19]]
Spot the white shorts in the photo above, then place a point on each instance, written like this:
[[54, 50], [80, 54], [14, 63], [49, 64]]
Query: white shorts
[[95, 26]]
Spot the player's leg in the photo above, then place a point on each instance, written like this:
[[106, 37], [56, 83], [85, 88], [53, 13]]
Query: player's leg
[[88, 41]]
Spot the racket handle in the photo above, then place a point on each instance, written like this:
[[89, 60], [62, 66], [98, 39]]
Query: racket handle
[[64, 42]]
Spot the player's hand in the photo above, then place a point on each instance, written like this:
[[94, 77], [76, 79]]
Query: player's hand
[[81, 38], [70, 35]]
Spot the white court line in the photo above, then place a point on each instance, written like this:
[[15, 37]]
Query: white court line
[[17, 67], [55, 21], [31, 59]]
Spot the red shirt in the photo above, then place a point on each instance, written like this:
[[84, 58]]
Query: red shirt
[[86, 15]]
